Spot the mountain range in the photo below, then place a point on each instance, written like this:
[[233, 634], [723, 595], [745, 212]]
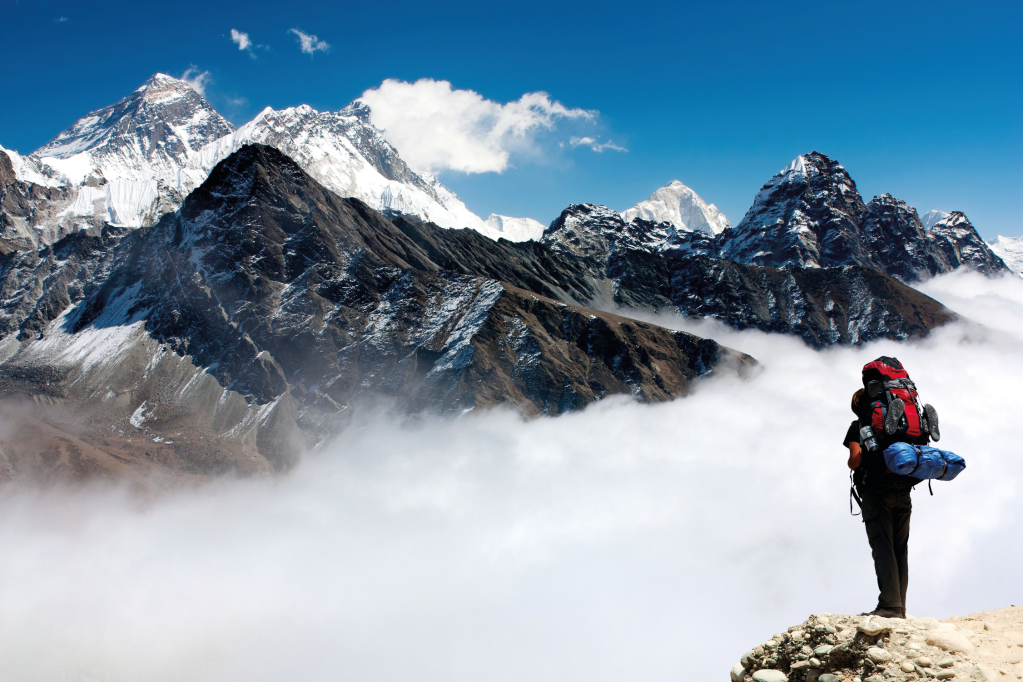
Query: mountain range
[[179, 295]]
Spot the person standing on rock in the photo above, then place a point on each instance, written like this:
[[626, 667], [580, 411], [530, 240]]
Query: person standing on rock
[[884, 496]]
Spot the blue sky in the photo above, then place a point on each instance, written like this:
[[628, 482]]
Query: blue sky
[[922, 100]]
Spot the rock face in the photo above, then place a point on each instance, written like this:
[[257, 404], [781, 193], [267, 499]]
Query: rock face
[[268, 307], [835, 648], [682, 208], [652, 265], [962, 246], [811, 215]]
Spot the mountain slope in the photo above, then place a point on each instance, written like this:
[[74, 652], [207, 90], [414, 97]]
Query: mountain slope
[[267, 308], [1010, 250], [346, 153], [649, 268], [133, 161], [811, 215], [682, 207]]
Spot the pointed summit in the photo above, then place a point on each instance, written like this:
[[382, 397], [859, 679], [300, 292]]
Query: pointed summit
[[682, 207], [148, 135]]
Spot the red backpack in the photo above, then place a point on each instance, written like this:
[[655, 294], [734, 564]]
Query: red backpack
[[895, 410]]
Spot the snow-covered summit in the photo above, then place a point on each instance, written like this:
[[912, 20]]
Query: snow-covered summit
[[1010, 250], [137, 159], [679, 205], [151, 134], [931, 218], [349, 155], [513, 229]]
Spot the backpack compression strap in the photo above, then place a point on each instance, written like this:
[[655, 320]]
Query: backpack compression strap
[[854, 496]]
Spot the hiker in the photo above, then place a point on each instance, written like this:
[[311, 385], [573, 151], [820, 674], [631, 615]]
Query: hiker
[[887, 412], [885, 506]]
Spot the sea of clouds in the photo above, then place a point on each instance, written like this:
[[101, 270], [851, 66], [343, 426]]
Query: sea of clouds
[[624, 542]]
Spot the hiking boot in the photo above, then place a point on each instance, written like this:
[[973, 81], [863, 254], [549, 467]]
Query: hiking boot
[[932, 422], [886, 613], [896, 411]]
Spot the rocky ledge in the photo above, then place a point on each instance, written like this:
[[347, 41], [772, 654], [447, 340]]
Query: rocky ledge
[[984, 646]]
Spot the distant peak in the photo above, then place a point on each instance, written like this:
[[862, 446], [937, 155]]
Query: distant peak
[[932, 218], [358, 109], [161, 80]]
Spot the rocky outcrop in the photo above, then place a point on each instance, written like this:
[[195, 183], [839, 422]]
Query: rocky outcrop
[[984, 646], [811, 215], [959, 242], [654, 266]]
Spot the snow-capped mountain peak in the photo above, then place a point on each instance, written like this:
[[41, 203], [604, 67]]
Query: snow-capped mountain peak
[[513, 229], [348, 155], [132, 161], [149, 135], [932, 218], [1010, 250], [679, 205]]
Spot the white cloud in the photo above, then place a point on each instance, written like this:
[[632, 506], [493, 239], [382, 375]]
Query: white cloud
[[60, 20], [198, 80], [595, 144], [241, 40], [309, 44], [651, 542], [435, 127]]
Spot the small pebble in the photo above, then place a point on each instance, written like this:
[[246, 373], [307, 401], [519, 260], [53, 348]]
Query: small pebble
[[823, 650], [924, 662], [945, 675], [737, 672], [908, 667], [815, 663], [946, 663]]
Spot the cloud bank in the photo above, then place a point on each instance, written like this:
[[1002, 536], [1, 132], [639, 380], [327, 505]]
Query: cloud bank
[[435, 127], [309, 44], [623, 542]]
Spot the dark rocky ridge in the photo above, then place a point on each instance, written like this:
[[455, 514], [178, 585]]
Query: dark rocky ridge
[[825, 306], [811, 215], [267, 307]]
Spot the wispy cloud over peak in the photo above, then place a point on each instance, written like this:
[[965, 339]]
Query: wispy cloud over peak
[[196, 79], [308, 43], [436, 127]]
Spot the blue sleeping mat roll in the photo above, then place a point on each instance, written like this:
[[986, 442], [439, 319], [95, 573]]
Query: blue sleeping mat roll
[[923, 461]]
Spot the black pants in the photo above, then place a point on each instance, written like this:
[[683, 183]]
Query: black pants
[[886, 518]]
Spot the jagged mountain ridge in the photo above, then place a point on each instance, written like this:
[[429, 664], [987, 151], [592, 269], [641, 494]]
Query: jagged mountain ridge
[[646, 268], [129, 163], [811, 215], [267, 307]]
